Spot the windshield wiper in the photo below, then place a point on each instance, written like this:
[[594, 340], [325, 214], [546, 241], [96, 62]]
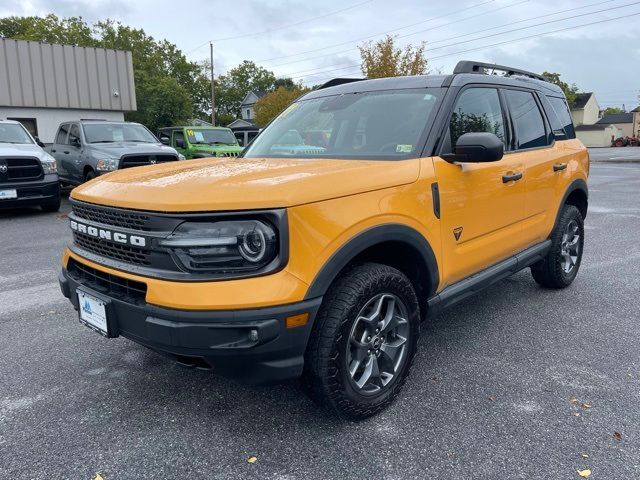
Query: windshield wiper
[[103, 141]]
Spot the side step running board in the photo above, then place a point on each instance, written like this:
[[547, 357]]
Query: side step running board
[[470, 286]]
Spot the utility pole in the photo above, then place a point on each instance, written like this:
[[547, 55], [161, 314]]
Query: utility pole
[[213, 90]]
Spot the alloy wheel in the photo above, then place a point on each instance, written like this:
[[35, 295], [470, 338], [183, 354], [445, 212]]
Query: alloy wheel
[[378, 345], [570, 246]]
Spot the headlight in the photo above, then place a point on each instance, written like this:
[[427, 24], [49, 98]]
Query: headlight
[[229, 246], [181, 157], [107, 164], [49, 164]]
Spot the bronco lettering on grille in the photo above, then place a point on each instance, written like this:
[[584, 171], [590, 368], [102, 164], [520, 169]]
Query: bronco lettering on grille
[[101, 233]]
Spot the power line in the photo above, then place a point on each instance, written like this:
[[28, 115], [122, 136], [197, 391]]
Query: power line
[[464, 35], [402, 36], [453, 12], [537, 35], [480, 38], [282, 27]]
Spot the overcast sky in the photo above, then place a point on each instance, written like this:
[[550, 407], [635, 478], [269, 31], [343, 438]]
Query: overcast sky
[[314, 41]]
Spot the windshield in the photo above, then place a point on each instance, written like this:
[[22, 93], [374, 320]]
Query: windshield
[[117, 132], [368, 125], [211, 137], [13, 133]]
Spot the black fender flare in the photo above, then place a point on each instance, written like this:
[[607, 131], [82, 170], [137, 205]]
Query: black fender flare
[[369, 238], [578, 184]]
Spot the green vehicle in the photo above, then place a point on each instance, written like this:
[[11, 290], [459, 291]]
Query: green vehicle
[[201, 142]]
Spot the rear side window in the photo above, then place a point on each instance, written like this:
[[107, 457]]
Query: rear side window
[[563, 120], [476, 110], [61, 138], [527, 120]]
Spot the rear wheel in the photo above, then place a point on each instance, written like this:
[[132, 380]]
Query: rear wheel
[[363, 342], [560, 267]]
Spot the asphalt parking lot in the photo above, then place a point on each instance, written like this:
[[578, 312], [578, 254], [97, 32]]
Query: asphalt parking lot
[[518, 382]]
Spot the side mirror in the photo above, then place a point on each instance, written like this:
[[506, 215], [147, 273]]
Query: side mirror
[[39, 143], [476, 148], [76, 142], [164, 141], [179, 142]]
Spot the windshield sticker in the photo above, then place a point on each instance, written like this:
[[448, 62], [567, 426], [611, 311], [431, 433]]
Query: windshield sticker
[[189, 133], [404, 148], [199, 136]]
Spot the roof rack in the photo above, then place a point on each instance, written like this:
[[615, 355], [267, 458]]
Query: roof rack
[[467, 66], [338, 81]]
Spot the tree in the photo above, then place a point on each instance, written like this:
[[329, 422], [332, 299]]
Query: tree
[[169, 88], [385, 59], [612, 110], [570, 91], [233, 87], [273, 103]]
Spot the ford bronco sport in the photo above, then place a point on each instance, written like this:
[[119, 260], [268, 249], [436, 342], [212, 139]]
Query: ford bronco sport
[[320, 261]]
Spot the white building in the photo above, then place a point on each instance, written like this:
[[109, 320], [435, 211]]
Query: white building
[[42, 85], [247, 112]]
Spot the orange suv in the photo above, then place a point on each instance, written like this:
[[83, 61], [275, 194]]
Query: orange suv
[[319, 260]]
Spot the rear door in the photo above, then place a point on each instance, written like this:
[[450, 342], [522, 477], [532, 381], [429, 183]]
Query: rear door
[[481, 209], [534, 145]]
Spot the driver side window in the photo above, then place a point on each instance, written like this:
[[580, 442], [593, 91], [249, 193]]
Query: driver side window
[[476, 110]]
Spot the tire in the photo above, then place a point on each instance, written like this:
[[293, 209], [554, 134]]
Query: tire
[[90, 175], [560, 267], [51, 206], [332, 347]]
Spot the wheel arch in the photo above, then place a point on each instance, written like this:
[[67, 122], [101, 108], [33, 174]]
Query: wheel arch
[[396, 245], [577, 194]]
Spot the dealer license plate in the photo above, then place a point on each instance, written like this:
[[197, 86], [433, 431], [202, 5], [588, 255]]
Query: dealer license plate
[[93, 313]]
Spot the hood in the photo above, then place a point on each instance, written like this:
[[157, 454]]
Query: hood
[[117, 149], [242, 183], [21, 150]]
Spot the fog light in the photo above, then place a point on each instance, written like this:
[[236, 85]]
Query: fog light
[[253, 335]]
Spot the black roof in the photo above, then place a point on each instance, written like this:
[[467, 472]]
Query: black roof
[[581, 100], [587, 128], [616, 118], [518, 77]]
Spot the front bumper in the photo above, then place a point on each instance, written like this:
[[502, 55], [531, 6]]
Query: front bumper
[[216, 339], [32, 193]]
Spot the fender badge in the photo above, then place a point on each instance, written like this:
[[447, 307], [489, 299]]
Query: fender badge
[[457, 233]]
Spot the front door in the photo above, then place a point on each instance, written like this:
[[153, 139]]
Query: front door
[[482, 204], [72, 153], [180, 144]]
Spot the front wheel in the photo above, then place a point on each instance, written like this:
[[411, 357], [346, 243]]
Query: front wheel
[[363, 341], [560, 267]]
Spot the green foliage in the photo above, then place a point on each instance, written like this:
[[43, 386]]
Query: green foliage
[[612, 110], [169, 88], [385, 59], [570, 91], [462, 123], [274, 103], [232, 87]]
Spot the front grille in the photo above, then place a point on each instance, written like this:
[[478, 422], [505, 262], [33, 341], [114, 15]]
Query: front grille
[[116, 217], [230, 154], [21, 169], [129, 161], [124, 253], [112, 285]]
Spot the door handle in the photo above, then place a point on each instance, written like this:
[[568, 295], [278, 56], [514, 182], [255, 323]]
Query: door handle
[[559, 166], [66, 151], [53, 151], [511, 178]]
